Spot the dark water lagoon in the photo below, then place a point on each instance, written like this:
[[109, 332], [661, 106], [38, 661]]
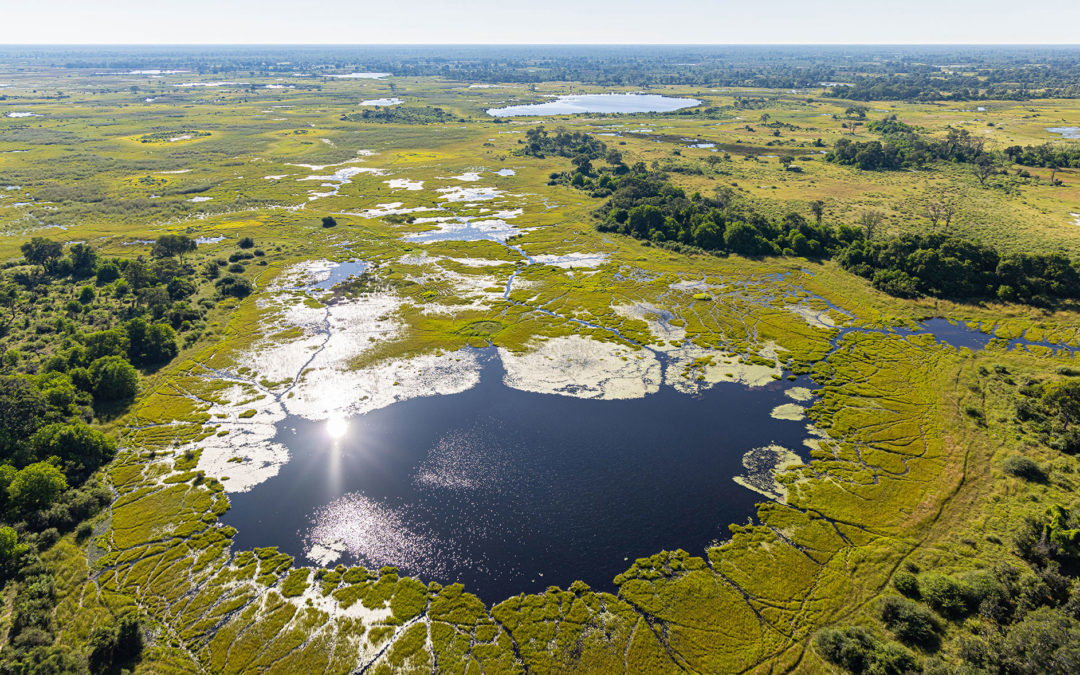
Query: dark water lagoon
[[598, 103], [510, 491]]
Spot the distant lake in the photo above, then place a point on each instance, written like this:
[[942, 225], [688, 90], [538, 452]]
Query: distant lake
[[509, 491], [1066, 132], [597, 103]]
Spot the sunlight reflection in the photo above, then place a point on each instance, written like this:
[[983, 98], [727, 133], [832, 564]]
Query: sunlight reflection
[[336, 427]]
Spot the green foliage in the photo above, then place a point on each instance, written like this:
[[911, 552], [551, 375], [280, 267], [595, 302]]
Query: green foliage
[[401, 114], [36, 486], [856, 650], [9, 545], [949, 597], [1061, 531], [42, 251], [905, 148], [234, 286], [1045, 641], [1022, 467], [150, 344], [24, 409], [911, 622], [1048, 155], [645, 206], [167, 136], [81, 447], [907, 583], [575, 144], [114, 379], [940, 265], [115, 644]]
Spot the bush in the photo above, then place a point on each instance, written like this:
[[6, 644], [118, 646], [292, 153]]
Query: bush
[[1022, 467], [150, 344], [856, 650], [910, 621], [328, 221], [949, 597], [246, 242], [907, 583], [83, 531], [231, 285]]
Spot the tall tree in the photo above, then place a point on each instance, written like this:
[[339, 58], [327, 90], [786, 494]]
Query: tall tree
[[170, 245], [42, 251]]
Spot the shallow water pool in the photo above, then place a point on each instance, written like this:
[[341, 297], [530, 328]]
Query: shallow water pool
[[510, 491]]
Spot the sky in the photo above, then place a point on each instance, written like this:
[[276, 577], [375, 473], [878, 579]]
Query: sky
[[539, 22]]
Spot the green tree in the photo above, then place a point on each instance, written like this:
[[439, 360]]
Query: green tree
[[644, 219], [42, 251], [36, 486], [328, 221], [173, 245], [24, 409], [138, 274], [112, 342], [114, 379], [232, 285], [9, 544], [84, 260], [81, 447], [150, 344]]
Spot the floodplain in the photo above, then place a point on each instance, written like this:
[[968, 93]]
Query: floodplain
[[455, 426]]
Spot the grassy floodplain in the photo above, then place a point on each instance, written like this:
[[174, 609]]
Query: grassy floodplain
[[907, 471]]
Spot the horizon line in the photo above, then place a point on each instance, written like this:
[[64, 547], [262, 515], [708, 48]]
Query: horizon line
[[539, 44]]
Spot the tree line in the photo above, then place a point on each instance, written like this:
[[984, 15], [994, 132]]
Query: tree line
[[77, 328], [645, 205]]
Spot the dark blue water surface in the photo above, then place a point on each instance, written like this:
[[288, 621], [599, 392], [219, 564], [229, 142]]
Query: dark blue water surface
[[510, 491]]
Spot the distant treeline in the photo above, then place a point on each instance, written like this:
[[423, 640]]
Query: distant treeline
[[904, 146], [854, 72], [643, 204]]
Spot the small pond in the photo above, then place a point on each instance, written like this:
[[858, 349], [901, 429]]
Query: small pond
[[1066, 132], [597, 103], [509, 491]]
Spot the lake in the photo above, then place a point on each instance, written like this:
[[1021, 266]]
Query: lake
[[510, 491], [597, 103]]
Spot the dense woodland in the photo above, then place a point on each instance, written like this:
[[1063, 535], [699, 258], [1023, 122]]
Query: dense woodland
[[78, 332]]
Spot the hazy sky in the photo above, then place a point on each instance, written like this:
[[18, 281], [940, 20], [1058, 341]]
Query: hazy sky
[[540, 21]]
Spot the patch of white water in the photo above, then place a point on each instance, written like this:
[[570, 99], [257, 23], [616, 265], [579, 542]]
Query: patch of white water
[[405, 184], [468, 194]]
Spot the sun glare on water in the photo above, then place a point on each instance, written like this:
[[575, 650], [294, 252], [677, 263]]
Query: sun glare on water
[[336, 427]]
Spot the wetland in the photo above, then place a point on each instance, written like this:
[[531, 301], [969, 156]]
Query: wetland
[[531, 359]]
